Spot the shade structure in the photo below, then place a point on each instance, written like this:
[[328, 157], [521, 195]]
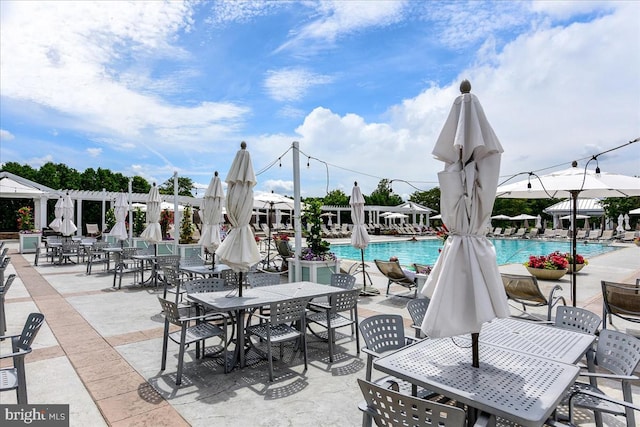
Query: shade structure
[[569, 183], [212, 215], [634, 211], [359, 236], [153, 232], [465, 285], [239, 250], [120, 210], [58, 212], [67, 228]]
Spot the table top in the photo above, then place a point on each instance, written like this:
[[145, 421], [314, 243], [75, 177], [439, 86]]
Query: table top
[[145, 257], [263, 295], [537, 338], [516, 386]]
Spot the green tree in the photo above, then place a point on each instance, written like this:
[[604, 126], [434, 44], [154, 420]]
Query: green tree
[[429, 198], [616, 206], [311, 216], [336, 198], [186, 226], [383, 195], [185, 185]]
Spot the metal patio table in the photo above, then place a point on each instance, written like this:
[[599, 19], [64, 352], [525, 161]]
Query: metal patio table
[[109, 251], [224, 301], [153, 260], [519, 387], [544, 340], [204, 270]]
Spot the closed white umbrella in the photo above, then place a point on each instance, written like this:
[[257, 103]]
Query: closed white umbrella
[[120, 210], [359, 236], [239, 250], [58, 211], [538, 222], [67, 228], [153, 232], [465, 285], [620, 227], [627, 226], [212, 216]]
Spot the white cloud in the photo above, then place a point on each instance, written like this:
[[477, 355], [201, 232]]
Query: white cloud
[[94, 152], [96, 51], [291, 84], [5, 135]]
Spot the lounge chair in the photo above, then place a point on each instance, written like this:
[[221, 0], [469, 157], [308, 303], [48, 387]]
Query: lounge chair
[[620, 299], [395, 275], [549, 233], [93, 230], [524, 290], [628, 236], [607, 235], [532, 234], [594, 234], [581, 234], [520, 233]]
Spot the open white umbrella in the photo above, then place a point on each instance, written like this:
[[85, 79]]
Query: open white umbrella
[[359, 235], [569, 183], [501, 216], [239, 250], [58, 211], [67, 228], [269, 201], [153, 232], [465, 285], [120, 209], [212, 216]]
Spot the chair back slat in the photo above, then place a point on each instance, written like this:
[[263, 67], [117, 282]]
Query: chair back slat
[[383, 332], [344, 301], [170, 310], [209, 284], [257, 279], [621, 299], [288, 311], [29, 332], [343, 280], [418, 309], [577, 319], [618, 352]]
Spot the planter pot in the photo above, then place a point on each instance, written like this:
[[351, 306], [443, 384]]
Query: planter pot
[[314, 271], [29, 242], [544, 274], [578, 267]]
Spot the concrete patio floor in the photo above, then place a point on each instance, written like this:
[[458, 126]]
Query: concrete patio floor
[[100, 352]]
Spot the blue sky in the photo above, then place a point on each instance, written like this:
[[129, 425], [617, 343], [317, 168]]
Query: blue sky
[[149, 88]]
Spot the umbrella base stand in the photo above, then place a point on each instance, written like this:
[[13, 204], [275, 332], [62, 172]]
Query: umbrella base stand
[[369, 292]]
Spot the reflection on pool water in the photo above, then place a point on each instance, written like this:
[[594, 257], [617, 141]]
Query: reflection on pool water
[[509, 251]]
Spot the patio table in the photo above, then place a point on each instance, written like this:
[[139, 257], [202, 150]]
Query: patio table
[[224, 301], [537, 338], [204, 270], [153, 260], [519, 387]]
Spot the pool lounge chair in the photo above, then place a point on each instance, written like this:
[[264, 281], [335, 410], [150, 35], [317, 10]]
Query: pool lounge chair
[[525, 290], [520, 233], [607, 235], [395, 275]]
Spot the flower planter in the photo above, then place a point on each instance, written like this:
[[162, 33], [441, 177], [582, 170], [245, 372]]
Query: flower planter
[[29, 242], [544, 274], [314, 271], [578, 267]]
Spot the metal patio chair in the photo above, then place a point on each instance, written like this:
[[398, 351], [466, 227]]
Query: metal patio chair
[[328, 317], [14, 378], [279, 327], [4, 288], [417, 310], [190, 333]]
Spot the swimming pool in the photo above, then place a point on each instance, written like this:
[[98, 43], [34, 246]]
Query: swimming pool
[[509, 251]]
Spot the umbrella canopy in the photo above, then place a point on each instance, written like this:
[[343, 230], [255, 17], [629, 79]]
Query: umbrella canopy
[[522, 216], [577, 217], [120, 209], [501, 216], [67, 228], [58, 210], [634, 211], [212, 214], [239, 250], [436, 217], [153, 232], [465, 285], [569, 183]]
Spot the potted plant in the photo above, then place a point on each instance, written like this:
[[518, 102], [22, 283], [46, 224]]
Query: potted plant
[[317, 261], [580, 262], [29, 238], [548, 267]]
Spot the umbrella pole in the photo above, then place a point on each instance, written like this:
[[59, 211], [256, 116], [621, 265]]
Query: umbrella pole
[[240, 284], [474, 350], [574, 208], [366, 292]]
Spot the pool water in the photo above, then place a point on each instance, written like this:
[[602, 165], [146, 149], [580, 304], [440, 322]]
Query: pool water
[[509, 251]]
